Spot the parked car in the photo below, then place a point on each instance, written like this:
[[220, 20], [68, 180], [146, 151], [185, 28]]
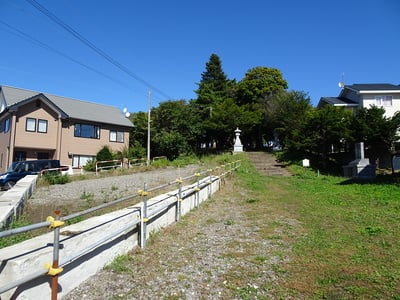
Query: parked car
[[20, 169]]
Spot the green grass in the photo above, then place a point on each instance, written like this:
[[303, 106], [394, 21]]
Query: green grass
[[120, 264], [16, 238], [348, 246]]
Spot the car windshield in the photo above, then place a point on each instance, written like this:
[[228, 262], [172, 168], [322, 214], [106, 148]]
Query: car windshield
[[15, 167]]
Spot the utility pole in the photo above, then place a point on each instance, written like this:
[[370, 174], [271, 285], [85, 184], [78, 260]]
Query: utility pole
[[148, 130]]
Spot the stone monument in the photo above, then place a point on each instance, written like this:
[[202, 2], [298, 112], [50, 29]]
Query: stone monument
[[360, 168], [238, 147]]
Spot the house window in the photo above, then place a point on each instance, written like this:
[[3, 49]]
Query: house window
[[116, 136], [42, 126], [30, 124], [87, 131], [383, 100], [19, 156], [6, 125], [79, 161]]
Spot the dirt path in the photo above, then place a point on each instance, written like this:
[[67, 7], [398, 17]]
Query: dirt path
[[219, 251]]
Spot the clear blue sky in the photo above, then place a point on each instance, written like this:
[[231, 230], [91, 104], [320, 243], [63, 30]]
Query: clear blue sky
[[166, 44]]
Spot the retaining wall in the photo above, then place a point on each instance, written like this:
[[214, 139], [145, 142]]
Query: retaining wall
[[96, 242], [12, 201]]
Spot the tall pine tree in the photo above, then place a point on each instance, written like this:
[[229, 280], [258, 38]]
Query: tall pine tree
[[214, 85], [214, 89]]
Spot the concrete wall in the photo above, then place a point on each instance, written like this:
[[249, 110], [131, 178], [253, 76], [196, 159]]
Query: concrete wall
[[12, 201], [18, 262]]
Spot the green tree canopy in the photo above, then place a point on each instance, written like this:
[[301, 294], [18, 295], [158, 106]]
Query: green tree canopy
[[379, 133], [177, 122], [214, 85], [138, 134], [214, 90], [253, 93], [322, 133], [259, 84], [286, 112]]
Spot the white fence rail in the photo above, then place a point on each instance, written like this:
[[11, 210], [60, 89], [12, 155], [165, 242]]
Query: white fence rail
[[107, 164], [53, 264]]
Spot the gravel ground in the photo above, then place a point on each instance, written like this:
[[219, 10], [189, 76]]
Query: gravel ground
[[214, 252], [80, 194]]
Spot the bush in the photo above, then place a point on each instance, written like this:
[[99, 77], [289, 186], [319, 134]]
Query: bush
[[136, 151], [90, 165], [161, 163], [104, 154], [56, 178]]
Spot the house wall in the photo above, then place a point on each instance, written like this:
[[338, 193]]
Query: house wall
[[369, 100], [4, 143], [58, 142], [36, 140], [79, 146]]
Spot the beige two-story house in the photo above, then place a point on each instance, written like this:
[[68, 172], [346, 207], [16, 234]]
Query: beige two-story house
[[35, 125]]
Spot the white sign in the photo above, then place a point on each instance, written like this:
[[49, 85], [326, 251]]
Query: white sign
[[306, 163]]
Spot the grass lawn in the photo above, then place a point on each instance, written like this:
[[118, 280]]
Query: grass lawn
[[346, 243]]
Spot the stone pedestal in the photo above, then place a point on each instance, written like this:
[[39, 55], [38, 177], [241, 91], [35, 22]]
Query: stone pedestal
[[360, 168], [238, 147]]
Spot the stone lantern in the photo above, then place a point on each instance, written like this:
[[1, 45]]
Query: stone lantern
[[238, 147]]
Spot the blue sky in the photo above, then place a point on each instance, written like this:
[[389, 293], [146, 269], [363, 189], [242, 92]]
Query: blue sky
[[165, 45]]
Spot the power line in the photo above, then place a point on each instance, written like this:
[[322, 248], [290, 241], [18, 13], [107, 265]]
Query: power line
[[85, 41], [31, 39]]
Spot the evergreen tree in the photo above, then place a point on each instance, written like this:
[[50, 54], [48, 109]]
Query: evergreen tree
[[214, 85], [379, 133], [214, 89]]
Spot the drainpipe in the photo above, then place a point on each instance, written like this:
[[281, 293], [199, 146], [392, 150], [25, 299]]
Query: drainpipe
[[59, 138], [13, 132]]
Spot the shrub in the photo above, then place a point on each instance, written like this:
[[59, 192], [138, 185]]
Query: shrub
[[56, 178], [90, 165], [104, 154]]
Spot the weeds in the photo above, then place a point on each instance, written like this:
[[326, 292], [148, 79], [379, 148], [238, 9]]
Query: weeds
[[16, 238], [88, 197], [56, 178], [120, 264]]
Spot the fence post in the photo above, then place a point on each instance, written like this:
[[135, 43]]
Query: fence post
[[218, 169], [179, 200], [209, 183], [197, 189], [54, 268], [143, 217]]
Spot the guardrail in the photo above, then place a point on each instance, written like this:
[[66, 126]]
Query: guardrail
[[158, 158], [108, 164], [137, 162], [135, 219], [62, 170]]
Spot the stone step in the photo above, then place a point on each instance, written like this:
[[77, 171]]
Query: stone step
[[266, 164]]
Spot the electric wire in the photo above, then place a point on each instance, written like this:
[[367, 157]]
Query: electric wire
[[85, 41], [31, 39]]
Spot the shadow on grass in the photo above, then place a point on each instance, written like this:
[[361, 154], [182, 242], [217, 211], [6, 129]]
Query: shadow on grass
[[380, 179]]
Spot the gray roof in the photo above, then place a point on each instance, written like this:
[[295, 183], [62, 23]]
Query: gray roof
[[374, 87], [70, 108], [337, 101]]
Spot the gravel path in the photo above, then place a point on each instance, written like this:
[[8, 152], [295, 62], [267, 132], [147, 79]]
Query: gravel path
[[218, 251], [80, 194]]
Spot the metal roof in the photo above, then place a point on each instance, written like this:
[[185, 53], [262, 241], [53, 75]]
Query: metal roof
[[383, 87], [76, 109], [338, 101]]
